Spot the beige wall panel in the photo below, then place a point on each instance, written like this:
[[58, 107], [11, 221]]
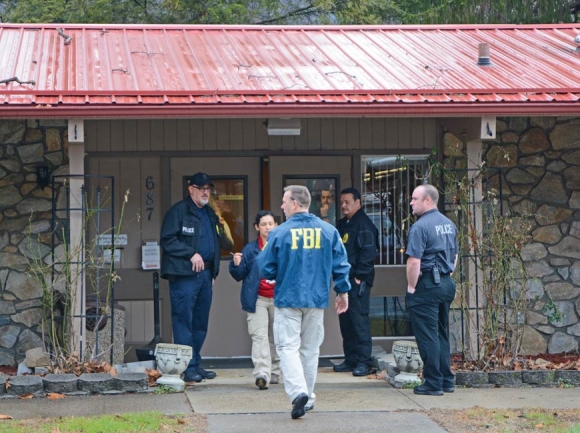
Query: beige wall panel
[[117, 135], [91, 143], [197, 131], [432, 133], [130, 179], [183, 134], [352, 133], [142, 213], [169, 135], [149, 194], [236, 134], [404, 133], [313, 133], [210, 134], [339, 127], [223, 134], [144, 135], [326, 134], [262, 138], [390, 281], [104, 136], [275, 142], [137, 285], [156, 130], [249, 133], [418, 134], [378, 128], [366, 134], [130, 143], [392, 134], [288, 142]]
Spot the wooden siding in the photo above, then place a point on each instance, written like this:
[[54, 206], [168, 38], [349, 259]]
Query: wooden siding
[[227, 135], [141, 178]]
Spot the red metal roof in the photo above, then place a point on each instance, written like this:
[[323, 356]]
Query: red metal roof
[[158, 71]]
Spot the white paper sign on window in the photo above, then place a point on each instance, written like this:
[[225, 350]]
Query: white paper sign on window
[[150, 256]]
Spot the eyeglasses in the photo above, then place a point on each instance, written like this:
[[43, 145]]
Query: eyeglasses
[[203, 189]]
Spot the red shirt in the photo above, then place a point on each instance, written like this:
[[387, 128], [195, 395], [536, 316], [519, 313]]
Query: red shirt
[[266, 289]]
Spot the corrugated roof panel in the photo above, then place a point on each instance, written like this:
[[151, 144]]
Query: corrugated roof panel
[[539, 97], [309, 98], [258, 99], [297, 68], [571, 97]]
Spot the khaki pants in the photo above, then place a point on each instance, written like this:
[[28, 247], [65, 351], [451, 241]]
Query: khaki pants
[[260, 328], [298, 333]]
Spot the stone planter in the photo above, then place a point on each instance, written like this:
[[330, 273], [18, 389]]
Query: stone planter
[[409, 362], [172, 360]]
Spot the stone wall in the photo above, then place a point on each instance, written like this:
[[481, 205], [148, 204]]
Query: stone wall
[[540, 159], [25, 208]]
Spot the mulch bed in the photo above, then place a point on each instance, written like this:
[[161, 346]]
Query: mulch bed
[[549, 361]]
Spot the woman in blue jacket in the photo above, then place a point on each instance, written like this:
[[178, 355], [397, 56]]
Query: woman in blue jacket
[[257, 298]]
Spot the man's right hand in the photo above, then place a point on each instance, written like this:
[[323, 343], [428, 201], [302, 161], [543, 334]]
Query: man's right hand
[[197, 263], [341, 303]]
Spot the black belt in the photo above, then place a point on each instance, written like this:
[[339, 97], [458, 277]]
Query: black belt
[[430, 272], [208, 266]]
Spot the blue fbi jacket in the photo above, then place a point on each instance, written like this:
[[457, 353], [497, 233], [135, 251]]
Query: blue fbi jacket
[[302, 255]]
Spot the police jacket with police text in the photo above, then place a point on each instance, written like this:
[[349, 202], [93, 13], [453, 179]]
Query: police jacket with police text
[[303, 255], [180, 234], [360, 237]]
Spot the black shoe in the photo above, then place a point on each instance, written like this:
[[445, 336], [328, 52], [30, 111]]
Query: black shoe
[[298, 406], [192, 376], [361, 370], [261, 382], [343, 367], [450, 389], [206, 374], [423, 390]]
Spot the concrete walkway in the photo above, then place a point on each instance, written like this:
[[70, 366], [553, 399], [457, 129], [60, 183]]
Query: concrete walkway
[[344, 403]]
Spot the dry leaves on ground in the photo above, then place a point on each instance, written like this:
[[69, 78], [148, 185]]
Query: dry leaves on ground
[[152, 375], [55, 396], [502, 420], [558, 361]]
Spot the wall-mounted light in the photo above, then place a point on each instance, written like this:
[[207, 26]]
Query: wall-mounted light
[[42, 175], [284, 126]]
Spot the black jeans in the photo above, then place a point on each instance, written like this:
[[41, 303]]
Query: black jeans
[[428, 309], [355, 327]]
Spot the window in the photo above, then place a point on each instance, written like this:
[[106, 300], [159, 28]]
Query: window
[[387, 185], [228, 200], [323, 192]]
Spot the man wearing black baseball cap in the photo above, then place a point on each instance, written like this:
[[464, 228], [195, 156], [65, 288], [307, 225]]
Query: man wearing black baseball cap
[[191, 238]]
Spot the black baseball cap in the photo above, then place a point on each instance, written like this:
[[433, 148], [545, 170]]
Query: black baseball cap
[[200, 179]]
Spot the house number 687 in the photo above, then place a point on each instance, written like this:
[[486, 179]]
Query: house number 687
[[149, 202]]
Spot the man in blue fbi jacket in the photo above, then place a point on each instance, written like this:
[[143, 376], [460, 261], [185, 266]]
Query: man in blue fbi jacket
[[432, 256], [302, 255]]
